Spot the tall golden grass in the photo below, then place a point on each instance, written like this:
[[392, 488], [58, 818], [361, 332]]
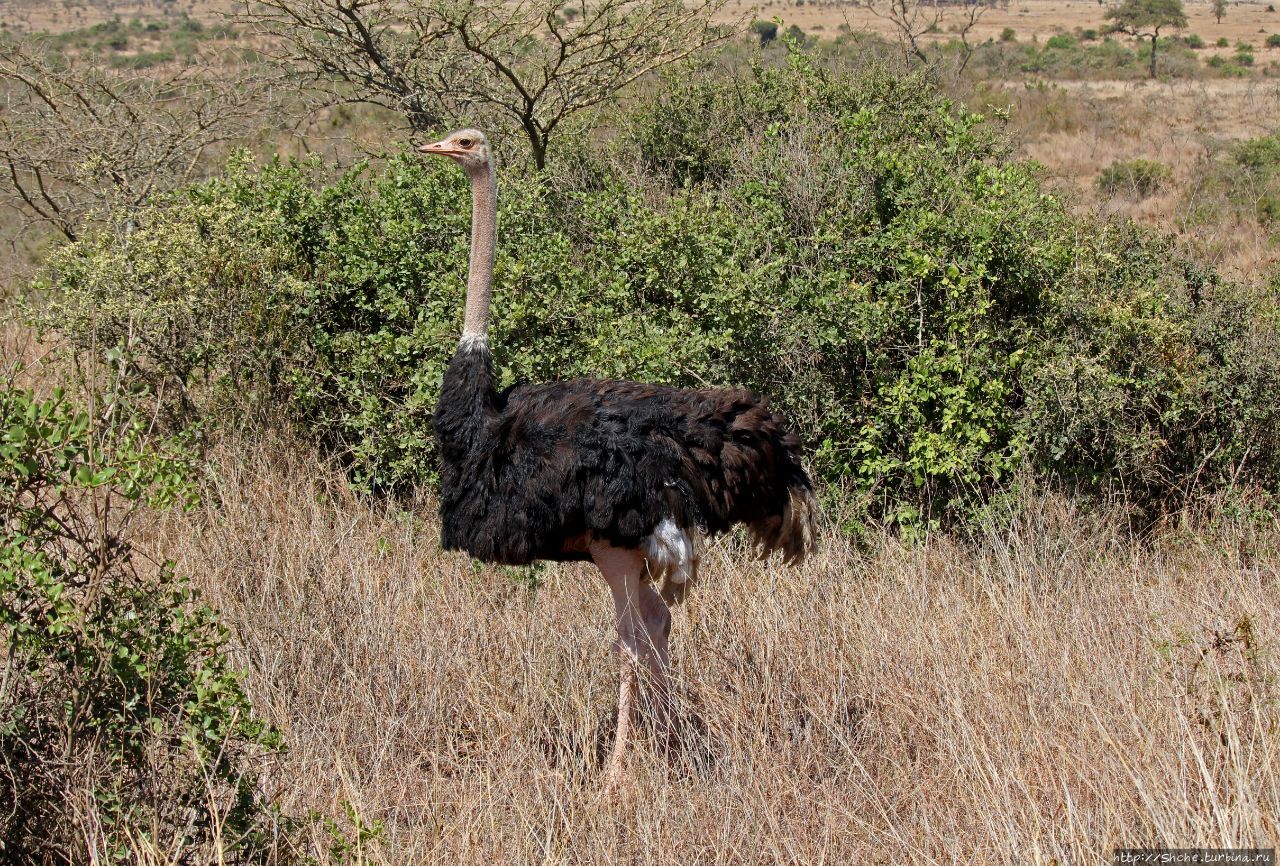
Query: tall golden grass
[[1076, 129], [1039, 695]]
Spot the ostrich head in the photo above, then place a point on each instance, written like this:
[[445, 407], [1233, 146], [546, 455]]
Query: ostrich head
[[470, 149], [467, 147]]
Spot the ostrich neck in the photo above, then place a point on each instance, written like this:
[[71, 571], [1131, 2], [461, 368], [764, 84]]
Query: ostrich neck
[[484, 229]]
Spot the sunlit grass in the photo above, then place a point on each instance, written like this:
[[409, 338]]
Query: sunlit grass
[[1043, 694]]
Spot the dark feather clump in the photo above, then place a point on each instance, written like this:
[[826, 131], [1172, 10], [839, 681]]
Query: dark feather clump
[[537, 470]]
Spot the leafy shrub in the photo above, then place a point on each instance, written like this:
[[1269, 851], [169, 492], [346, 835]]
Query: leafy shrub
[[1174, 58], [1194, 41], [1008, 34], [1163, 390], [851, 243], [1058, 59], [1273, 41], [1260, 154], [1137, 177], [1223, 42], [122, 724], [142, 60], [767, 31], [1239, 185], [1228, 66], [1247, 181], [202, 294]]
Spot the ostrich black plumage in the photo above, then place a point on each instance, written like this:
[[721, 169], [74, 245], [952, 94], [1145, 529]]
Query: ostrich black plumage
[[624, 474]]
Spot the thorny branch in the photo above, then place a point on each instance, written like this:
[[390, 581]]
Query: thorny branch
[[529, 64], [76, 140], [913, 19]]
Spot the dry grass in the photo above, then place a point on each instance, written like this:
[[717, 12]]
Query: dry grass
[[1076, 129], [1043, 695], [1038, 697], [1247, 20]]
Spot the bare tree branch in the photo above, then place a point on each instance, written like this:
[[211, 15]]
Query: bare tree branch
[[76, 139], [913, 19], [529, 63]]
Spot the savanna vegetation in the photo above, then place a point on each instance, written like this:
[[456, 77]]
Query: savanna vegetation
[[1042, 620]]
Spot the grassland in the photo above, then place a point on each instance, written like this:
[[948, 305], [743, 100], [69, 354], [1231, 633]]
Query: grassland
[[1037, 692], [1035, 695], [1036, 20], [1076, 129]]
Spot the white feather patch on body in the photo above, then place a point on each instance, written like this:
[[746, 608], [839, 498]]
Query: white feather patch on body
[[671, 551], [472, 342]]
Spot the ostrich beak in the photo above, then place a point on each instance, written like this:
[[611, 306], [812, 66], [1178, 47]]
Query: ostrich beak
[[440, 148]]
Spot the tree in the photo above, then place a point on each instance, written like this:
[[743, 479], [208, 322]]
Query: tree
[[1141, 18], [915, 18], [531, 63], [1219, 9], [77, 139]]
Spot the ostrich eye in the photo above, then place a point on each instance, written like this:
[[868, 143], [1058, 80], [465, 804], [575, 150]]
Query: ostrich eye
[[464, 142]]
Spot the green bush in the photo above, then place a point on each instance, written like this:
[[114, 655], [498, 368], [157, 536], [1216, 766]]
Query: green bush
[[1137, 177], [1174, 58], [143, 59], [795, 36], [1261, 155], [1194, 41], [1273, 41], [766, 31], [1063, 57], [1241, 183], [1161, 383], [851, 243], [204, 294], [1251, 177], [1228, 66], [122, 724], [1008, 34]]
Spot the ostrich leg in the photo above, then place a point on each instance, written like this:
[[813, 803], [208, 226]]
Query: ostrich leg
[[642, 640], [657, 622]]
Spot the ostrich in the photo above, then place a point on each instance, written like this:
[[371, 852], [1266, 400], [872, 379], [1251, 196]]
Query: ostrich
[[624, 474]]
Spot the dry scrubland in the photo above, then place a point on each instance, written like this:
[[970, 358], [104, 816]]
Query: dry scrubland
[[1038, 696], [1075, 129], [70, 14], [1031, 19]]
